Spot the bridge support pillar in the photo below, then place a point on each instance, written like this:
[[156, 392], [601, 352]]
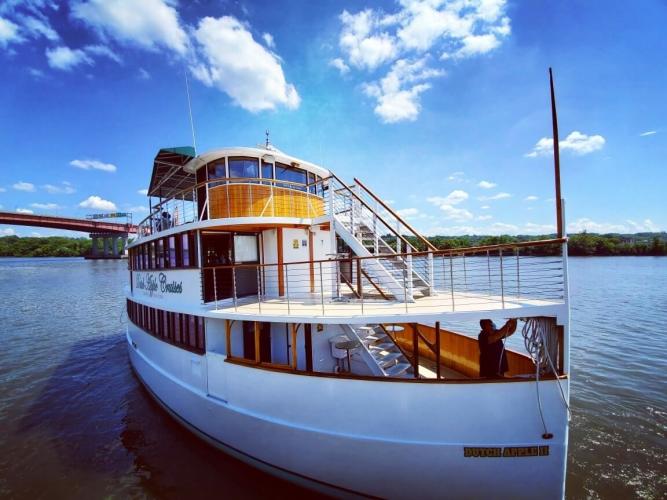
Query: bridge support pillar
[[123, 244], [93, 250], [110, 245]]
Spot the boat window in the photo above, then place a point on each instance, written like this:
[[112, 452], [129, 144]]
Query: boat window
[[185, 241], [243, 167], [267, 170], [174, 252], [311, 183], [151, 259], [291, 174], [245, 248], [160, 254], [182, 330], [171, 245], [217, 170]]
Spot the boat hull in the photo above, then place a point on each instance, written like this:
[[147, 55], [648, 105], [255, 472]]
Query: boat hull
[[377, 438]]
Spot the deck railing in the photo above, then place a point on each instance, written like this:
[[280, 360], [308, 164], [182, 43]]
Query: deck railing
[[477, 278], [235, 197]]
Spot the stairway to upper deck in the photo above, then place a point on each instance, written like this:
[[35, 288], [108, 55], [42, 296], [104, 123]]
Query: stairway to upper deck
[[381, 353], [369, 227]]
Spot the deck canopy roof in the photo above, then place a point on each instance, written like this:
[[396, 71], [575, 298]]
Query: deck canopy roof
[[169, 178]]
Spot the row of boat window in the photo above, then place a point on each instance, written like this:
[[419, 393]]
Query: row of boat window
[[182, 330], [254, 168], [171, 252]]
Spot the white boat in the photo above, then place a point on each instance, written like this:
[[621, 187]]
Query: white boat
[[300, 324]]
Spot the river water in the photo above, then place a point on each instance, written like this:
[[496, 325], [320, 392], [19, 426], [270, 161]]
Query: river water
[[77, 424]]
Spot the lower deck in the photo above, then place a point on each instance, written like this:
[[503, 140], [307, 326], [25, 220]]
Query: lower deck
[[346, 308], [420, 350]]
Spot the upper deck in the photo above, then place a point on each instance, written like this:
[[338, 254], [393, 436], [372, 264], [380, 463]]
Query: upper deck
[[231, 183], [259, 233]]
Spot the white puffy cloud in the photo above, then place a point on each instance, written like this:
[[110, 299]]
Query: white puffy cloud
[[24, 186], [104, 51], [65, 59], [578, 143], [478, 44], [486, 185], [408, 212], [456, 176], [143, 192], [531, 198], [440, 30], [9, 33], [498, 196], [448, 208], [484, 217], [397, 94], [8, 231], [340, 65], [45, 206], [94, 165], [231, 60], [149, 24], [363, 49], [138, 209], [627, 226], [66, 188], [97, 203], [38, 28], [268, 40], [648, 132], [26, 211]]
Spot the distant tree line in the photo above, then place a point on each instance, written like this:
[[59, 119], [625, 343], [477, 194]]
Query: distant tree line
[[581, 244], [52, 246]]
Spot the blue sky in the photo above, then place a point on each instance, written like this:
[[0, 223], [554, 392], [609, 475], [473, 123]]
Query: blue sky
[[441, 107]]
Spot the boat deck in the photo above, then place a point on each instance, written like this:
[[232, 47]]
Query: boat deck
[[345, 310]]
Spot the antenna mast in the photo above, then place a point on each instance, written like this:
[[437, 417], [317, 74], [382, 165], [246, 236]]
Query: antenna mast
[[192, 123], [554, 123]]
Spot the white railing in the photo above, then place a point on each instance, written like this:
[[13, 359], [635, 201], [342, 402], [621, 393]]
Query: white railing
[[483, 278]]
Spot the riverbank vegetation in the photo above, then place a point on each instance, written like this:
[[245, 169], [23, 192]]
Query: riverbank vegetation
[[581, 244]]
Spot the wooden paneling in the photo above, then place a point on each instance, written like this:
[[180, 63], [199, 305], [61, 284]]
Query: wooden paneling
[[279, 250], [256, 200], [459, 352]]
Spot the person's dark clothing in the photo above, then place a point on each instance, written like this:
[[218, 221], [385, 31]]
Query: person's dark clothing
[[490, 362]]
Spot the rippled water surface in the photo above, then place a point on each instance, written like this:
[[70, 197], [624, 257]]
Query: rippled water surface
[[77, 424]]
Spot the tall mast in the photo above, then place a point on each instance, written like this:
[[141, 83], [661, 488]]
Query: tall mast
[[554, 122]]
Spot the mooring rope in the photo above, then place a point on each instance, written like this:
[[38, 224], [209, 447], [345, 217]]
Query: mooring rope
[[541, 342]]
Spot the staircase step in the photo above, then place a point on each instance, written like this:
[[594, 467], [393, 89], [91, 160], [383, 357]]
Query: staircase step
[[375, 336], [397, 369], [388, 359], [384, 346]]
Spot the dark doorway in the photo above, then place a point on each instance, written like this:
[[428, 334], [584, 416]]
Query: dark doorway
[[308, 345], [217, 251], [225, 249], [264, 341]]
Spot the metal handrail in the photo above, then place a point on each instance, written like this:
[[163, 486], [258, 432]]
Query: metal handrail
[[396, 216], [348, 189], [233, 180], [445, 252]]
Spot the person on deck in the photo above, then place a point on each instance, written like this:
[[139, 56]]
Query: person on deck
[[492, 357]]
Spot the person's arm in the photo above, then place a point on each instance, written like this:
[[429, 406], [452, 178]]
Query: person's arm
[[508, 329]]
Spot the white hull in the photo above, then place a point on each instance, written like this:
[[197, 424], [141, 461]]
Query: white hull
[[380, 438]]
